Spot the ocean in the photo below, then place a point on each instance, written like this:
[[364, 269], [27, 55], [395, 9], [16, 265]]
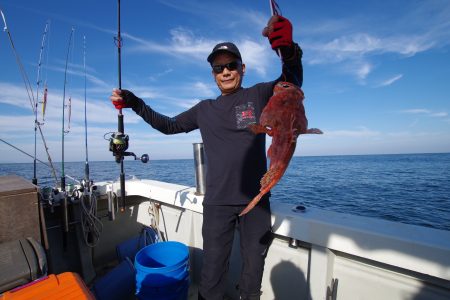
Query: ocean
[[406, 188]]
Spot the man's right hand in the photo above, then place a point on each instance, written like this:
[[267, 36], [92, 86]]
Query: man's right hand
[[123, 99]]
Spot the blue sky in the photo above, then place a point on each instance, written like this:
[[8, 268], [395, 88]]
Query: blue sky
[[376, 73]]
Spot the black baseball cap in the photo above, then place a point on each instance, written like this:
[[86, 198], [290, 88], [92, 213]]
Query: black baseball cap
[[225, 47]]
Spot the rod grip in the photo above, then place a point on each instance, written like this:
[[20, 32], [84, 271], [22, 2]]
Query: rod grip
[[120, 126], [122, 191]]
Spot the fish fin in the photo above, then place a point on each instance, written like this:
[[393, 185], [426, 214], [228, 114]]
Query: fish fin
[[257, 128], [314, 131], [267, 178]]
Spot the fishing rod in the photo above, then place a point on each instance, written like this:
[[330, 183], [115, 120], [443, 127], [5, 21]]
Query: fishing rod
[[86, 166], [118, 142], [275, 11], [63, 131], [30, 94], [274, 8], [44, 98], [38, 81], [123, 145], [63, 176]]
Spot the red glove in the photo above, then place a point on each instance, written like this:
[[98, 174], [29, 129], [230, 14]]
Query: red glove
[[279, 32], [123, 99], [119, 104]]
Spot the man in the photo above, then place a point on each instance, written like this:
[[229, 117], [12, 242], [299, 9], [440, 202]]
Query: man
[[236, 159]]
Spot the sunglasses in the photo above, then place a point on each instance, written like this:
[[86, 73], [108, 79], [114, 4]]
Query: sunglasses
[[231, 66]]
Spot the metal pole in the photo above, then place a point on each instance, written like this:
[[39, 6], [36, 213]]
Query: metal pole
[[200, 168]]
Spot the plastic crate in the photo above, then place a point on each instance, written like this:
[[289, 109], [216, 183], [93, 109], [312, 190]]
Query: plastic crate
[[65, 286]]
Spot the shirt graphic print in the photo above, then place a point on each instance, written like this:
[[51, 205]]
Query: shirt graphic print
[[245, 115]]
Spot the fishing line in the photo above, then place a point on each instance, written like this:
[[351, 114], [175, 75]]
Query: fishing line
[[37, 159], [20, 150], [29, 90], [24, 75]]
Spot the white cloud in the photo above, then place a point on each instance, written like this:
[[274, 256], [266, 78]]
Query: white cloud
[[340, 41], [161, 74], [185, 44], [416, 111], [15, 95], [360, 133], [426, 112], [204, 90], [391, 80], [441, 114], [364, 70], [99, 112], [256, 56]]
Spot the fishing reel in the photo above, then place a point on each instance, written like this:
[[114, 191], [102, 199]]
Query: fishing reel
[[118, 144]]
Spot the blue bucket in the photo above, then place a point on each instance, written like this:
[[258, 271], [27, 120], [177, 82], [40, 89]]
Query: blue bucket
[[162, 271], [130, 247], [116, 284]]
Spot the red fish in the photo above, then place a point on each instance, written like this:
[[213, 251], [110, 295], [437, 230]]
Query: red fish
[[282, 119]]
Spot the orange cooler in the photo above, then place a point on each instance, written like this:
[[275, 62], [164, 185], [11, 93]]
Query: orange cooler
[[63, 286]]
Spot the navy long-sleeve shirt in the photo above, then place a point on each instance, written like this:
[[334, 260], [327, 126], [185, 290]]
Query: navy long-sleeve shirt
[[236, 159]]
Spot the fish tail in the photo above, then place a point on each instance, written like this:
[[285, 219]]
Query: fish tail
[[252, 204], [267, 182]]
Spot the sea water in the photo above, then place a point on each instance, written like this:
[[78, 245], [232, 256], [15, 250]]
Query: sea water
[[407, 188]]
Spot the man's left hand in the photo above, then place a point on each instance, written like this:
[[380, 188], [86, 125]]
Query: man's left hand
[[279, 32]]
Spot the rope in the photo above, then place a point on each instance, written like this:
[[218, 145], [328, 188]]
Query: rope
[[90, 222], [154, 212]]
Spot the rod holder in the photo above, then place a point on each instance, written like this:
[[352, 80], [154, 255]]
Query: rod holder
[[111, 207], [200, 168]]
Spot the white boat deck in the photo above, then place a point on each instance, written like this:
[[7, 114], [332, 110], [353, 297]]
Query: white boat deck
[[316, 254]]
